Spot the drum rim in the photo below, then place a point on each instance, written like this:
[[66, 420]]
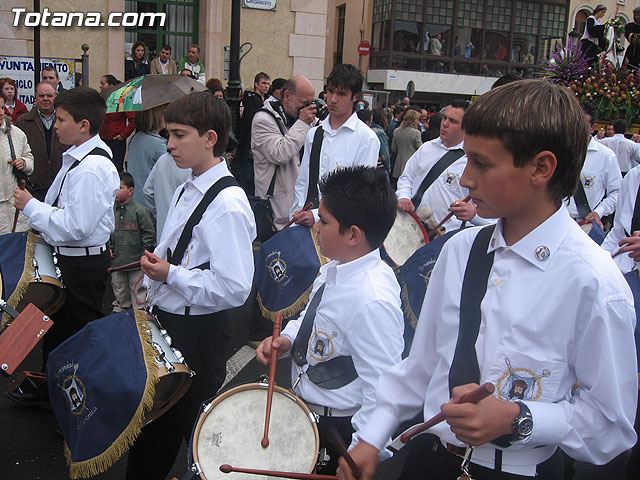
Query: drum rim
[[241, 388]]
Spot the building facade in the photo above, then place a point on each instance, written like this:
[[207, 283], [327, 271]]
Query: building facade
[[285, 40]]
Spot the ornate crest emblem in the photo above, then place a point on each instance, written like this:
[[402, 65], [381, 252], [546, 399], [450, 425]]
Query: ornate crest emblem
[[450, 179], [321, 346], [588, 182], [277, 269], [74, 392], [520, 383]]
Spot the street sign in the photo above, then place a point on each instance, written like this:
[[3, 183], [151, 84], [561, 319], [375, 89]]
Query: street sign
[[363, 48]]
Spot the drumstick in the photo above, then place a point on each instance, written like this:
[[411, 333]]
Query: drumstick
[[277, 323], [474, 396], [306, 207], [124, 267], [23, 183], [226, 468], [338, 442], [450, 214]]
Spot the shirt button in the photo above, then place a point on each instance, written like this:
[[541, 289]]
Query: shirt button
[[483, 329], [186, 204], [497, 281]]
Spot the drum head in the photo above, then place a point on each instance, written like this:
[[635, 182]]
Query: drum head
[[406, 236], [230, 432]]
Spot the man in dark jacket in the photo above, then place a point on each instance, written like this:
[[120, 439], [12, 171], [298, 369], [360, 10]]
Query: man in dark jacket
[[45, 146]]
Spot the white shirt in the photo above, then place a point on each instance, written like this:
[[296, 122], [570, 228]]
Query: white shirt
[[443, 191], [622, 220], [600, 175], [551, 322], [627, 151], [353, 143], [85, 214], [359, 315], [222, 237], [164, 178]]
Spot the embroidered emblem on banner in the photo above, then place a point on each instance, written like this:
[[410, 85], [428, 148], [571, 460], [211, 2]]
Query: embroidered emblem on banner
[[520, 383], [277, 268], [74, 392]]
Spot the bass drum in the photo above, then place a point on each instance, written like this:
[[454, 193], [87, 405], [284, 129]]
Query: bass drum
[[230, 428]]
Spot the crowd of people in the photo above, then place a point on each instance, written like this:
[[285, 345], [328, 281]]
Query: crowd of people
[[107, 189]]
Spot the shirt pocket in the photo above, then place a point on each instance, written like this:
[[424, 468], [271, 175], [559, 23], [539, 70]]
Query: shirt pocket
[[518, 376]]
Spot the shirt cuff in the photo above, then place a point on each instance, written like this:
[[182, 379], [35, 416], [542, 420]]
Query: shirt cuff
[[379, 428], [549, 423], [172, 276], [30, 207]]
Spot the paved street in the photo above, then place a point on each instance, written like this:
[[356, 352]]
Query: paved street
[[30, 449]]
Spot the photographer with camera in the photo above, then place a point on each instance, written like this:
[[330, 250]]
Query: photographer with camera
[[340, 140], [278, 132]]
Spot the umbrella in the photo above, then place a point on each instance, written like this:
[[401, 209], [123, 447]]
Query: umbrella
[[148, 91]]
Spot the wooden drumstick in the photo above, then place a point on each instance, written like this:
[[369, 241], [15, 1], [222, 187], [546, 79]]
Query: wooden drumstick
[[124, 267], [306, 207], [226, 468], [338, 442], [277, 323], [23, 184], [474, 396], [449, 215]]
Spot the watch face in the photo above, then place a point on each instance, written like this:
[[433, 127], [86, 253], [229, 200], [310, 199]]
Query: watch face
[[525, 426]]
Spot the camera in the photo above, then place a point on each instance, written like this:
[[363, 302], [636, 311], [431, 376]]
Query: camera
[[321, 107]]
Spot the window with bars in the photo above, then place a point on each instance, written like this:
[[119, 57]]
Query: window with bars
[[470, 13], [179, 31]]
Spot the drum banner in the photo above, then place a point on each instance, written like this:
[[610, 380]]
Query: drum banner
[[16, 262], [286, 266], [413, 276], [100, 390]]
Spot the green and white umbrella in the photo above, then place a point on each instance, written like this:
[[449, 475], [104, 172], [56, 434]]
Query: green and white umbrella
[[148, 91]]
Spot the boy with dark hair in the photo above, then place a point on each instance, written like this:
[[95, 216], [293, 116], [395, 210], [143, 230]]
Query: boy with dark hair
[[134, 233], [520, 168], [352, 328], [196, 275], [76, 217], [340, 140]]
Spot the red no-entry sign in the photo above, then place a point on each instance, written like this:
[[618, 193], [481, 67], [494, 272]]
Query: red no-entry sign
[[363, 48]]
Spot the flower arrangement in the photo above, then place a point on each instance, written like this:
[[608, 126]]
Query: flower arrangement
[[615, 93], [618, 27]]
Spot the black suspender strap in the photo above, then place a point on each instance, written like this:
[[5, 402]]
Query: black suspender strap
[[95, 151], [464, 367], [314, 168], [635, 220], [185, 237], [440, 166], [332, 374], [581, 200], [299, 348]]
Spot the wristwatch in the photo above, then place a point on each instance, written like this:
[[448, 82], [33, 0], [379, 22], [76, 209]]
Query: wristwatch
[[522, 424]]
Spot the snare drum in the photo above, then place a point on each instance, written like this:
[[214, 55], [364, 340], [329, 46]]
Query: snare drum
[[174, 374], [405, 237], [230, 428], [45, 289]]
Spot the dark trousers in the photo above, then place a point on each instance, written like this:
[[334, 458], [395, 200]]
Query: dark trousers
[[118, 149], [344, 428], [428, 459], [85, 279], [204, 341]]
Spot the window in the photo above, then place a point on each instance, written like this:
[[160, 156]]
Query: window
[[467, 36], [180, 29]]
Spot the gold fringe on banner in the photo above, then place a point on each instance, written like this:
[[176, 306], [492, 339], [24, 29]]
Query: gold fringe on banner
[[25, 278], [96, 465], [302, 300]]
